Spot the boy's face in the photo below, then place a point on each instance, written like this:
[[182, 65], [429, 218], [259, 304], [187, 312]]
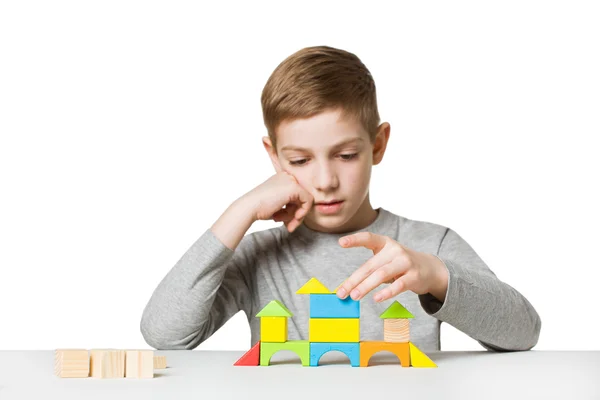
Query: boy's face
[[331, 158]]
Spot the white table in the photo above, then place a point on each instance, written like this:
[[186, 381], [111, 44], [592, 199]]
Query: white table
[[203, 375]]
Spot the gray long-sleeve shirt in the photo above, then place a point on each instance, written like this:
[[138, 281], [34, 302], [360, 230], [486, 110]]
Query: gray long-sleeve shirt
[[211, 283]]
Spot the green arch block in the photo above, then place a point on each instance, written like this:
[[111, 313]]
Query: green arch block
[[300, 347]]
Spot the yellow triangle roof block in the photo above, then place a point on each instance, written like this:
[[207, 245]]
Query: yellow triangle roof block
[[419, 359], [313, 286]]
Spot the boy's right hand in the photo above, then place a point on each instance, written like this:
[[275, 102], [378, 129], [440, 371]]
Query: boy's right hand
[[279, 191]]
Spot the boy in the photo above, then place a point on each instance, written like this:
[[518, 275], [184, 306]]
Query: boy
[[324, 136]]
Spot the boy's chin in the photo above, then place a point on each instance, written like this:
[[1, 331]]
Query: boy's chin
[[328, 222]]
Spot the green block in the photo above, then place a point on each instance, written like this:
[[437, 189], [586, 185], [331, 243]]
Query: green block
[[396, 310], [275, 308], [300, 347]]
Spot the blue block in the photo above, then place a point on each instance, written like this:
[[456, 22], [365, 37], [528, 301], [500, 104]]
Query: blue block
[[352, 350], [331, 306]]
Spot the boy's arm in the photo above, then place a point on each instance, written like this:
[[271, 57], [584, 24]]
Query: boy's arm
[[479, 304], [205, 288]]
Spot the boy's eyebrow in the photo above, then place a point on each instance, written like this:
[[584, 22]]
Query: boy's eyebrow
[[340, 144]]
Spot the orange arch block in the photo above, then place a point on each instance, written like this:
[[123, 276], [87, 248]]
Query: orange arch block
[[367, 349]]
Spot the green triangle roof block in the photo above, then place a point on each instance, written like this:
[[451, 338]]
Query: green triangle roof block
[[396, 310], [313, 286], [275, 308]]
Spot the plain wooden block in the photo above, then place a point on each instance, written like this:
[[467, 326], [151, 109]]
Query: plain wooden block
[[139, 364], [160, 362], [71, 363], [396, 330], [107, 363]]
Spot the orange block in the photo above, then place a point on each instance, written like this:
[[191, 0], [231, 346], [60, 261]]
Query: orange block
[[368, 348]]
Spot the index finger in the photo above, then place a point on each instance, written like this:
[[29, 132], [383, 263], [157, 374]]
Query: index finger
[[364, 273], [369, 240]]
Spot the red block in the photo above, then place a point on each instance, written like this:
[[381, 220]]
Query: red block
[[251, 358]]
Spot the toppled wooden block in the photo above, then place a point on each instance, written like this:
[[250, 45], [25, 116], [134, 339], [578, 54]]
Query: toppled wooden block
[[71, 363], [160, 362], [139, 364], [107, 363]]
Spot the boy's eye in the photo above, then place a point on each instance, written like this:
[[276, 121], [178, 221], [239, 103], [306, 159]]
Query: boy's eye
[[298, 162], [345, 157]]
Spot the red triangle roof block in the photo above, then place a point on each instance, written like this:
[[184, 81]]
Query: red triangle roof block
[[251, 358]]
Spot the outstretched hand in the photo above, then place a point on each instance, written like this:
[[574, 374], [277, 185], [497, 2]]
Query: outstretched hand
[[401, 267]]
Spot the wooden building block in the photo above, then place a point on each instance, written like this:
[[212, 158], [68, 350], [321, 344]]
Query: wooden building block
[[331, 306], [107, 363], [275, 308], [251, 358], [396, 310], [273, 329], [300, 347], [368, 348], [418, 359], [160, 362], [396, 330], [313, 286], [334, 330], [72, 363], [352, 350], [139, 364]]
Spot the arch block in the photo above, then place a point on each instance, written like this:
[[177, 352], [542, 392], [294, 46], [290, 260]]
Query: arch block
[[300, 347], [368, 348], [352, 350]]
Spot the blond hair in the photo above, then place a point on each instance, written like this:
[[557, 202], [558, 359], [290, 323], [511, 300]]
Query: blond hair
[[316, 79]]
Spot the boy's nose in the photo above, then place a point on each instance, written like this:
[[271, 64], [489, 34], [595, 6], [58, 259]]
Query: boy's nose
[[326, 178]]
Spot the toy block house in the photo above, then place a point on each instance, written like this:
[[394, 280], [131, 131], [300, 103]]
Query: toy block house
[[274, 335], [396, 323], [334, 324], [273, 322]]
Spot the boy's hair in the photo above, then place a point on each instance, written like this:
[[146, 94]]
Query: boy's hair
[[317, 79]]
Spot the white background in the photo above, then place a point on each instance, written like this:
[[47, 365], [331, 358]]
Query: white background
[[128, 127]]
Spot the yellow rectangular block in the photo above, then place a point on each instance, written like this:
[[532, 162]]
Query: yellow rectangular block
[[273, 329], [334, 330]]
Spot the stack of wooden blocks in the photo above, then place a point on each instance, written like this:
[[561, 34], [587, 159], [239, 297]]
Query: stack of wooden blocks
[[106, 363]]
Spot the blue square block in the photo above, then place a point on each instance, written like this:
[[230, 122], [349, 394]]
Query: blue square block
[[331, 306], [352, 350]]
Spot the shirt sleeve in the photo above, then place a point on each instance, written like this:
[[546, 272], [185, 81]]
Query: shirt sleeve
[[204, 289], [479, 304]]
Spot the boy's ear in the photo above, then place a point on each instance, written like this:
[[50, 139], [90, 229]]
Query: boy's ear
[[381, 140], [272, 153]]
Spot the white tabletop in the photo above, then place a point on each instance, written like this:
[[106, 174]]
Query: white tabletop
[[203, 375]]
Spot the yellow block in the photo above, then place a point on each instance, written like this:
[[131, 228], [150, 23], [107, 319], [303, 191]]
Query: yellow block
[[418, 359], [334, 330], [273, 329]]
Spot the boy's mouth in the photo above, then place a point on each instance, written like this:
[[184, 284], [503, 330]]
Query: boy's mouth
[[331, 207], [324, 203]]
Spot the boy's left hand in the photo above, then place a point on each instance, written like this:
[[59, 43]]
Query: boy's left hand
[[401, 267]]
